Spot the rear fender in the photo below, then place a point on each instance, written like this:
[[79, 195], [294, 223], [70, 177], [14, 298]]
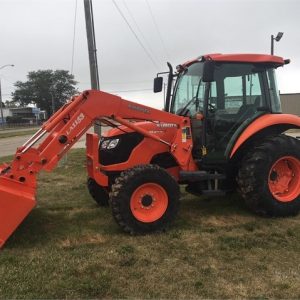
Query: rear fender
[[279, 122]]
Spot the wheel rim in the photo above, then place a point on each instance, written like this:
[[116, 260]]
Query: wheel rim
[[149, 202], [284, 179]]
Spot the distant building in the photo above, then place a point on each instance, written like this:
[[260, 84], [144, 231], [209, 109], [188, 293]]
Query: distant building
[[6, 113], [290, 103], [28, 115]]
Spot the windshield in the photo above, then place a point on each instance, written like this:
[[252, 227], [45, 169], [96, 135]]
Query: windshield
[[189, 91]]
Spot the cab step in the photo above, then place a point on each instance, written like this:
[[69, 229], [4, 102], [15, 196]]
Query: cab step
[[193, 176]]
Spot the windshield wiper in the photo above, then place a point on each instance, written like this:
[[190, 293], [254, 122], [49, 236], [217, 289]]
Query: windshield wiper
[[184, 110]]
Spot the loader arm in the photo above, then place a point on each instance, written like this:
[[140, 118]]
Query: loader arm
[[61, 132]]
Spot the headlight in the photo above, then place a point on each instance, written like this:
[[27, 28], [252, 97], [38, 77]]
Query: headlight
[[113, 144], [110, 144], [104, 144]]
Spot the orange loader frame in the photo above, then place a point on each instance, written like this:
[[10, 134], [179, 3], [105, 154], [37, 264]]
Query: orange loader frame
[[18, 180]]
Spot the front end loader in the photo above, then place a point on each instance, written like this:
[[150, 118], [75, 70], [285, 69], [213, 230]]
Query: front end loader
[[221, 129]]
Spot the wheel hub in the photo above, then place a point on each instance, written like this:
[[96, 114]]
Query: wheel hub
[[273, 175], [147, 200], [284, 179]]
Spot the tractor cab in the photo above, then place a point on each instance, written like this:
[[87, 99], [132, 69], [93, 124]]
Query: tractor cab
[[223, 94]]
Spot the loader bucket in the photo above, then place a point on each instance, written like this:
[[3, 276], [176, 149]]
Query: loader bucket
[[16, 202]]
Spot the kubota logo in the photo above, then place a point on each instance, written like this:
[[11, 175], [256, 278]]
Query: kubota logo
[[75, 123]]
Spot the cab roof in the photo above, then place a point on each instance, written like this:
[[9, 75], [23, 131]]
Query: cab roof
[[243, 58], [252, 58]]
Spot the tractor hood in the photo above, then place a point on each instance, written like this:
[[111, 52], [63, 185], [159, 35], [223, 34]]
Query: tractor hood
[[122, 147], [165, 131]]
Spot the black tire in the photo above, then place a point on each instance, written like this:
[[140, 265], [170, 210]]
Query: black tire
[[131, 182], [99, 194], [257, 174]]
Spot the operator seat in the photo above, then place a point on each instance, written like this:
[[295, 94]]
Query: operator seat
[[248, 110]]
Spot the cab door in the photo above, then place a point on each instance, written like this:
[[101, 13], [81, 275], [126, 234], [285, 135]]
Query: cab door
[[235, 96]]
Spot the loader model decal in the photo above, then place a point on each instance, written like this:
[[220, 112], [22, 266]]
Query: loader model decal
[[139, 108], [75, 123]]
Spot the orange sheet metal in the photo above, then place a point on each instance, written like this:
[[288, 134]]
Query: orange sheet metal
[[16, 202], [264, 122]]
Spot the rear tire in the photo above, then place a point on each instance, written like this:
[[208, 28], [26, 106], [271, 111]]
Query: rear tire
[[269, 178], [144, 199], [99, 194]]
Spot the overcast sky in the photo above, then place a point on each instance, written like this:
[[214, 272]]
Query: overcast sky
[[38, 34]]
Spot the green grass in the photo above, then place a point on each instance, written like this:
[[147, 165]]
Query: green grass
[[68, 247], [8, 134]]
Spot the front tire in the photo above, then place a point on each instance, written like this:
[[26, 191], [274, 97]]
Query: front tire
[[99, 194], [269, 178], [144, 199]]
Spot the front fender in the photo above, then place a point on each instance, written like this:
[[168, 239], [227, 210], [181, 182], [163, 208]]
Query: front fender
[[291, 121]]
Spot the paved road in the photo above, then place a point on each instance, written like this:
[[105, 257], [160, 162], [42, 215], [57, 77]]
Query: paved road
[[8, 146], [10, 130]]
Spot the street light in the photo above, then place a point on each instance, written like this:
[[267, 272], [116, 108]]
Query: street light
[[277, 39], [1, 104], [6, 66]]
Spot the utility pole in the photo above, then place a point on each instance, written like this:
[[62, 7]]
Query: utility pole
[[165, 93], [1, 107], [90, 33]]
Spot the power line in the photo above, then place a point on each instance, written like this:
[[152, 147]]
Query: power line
[[129, 82], [157, 29], [120, 82], [135, 35], [8, 80], [129, 91], [74, 34], [138, 28]]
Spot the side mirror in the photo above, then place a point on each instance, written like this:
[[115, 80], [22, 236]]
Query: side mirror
[[158, 84], [208, 71]]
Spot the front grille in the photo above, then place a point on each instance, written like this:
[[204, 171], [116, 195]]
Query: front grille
[[121, 153]]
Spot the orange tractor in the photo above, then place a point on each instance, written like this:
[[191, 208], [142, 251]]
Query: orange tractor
[[221, 129]]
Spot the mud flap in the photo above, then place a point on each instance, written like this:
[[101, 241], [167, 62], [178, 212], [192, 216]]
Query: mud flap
[[16, 202]]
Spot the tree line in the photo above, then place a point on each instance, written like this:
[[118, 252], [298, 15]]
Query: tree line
[[46, 89]]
